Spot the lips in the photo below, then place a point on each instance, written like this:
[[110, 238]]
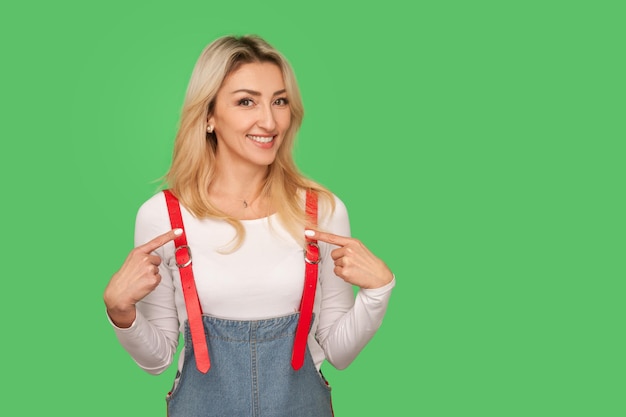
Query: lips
[[261, 139]]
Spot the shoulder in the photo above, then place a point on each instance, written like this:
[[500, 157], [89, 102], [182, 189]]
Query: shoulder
[[152, 219], [333, 215], [154, 206], [328, 202]]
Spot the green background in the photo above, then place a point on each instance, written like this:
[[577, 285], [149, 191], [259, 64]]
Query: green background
[[478, 147]]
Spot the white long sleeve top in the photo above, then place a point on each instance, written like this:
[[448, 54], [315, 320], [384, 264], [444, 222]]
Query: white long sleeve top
[[264, 278]]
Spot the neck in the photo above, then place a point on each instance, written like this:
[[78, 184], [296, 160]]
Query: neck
[[233, 176], [238, 187]]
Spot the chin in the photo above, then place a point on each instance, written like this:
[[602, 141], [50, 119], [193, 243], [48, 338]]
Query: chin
[[266, 162]]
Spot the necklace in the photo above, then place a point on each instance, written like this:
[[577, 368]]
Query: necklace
[[243, 203], [247, 203]]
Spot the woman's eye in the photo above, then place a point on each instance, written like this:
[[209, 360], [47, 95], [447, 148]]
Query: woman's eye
[[281, 101], [246, 102]]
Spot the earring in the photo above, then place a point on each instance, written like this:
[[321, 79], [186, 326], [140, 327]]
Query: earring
[[209, 129]]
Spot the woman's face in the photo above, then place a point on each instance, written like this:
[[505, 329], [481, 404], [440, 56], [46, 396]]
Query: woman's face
[[251, 115]]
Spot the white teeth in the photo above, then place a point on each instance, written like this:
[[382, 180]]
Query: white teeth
[[261, 139]]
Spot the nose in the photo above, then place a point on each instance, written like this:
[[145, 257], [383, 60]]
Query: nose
[[267, 120]]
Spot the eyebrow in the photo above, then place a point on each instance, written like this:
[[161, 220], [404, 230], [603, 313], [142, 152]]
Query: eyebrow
[[257, 93]]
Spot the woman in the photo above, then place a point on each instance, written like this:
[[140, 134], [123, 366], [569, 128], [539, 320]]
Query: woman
[[258, 318]]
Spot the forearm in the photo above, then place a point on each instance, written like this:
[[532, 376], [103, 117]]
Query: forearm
[[151, 347]]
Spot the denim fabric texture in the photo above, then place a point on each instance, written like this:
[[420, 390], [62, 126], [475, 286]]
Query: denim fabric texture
[[250, 374]]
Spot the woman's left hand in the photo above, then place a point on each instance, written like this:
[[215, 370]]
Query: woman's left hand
[[354, 263]]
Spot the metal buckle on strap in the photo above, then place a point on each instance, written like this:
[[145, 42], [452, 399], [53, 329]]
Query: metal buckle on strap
[[188, 262], [312, 261]]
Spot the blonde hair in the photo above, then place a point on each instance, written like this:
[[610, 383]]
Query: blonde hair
[[194, 157]]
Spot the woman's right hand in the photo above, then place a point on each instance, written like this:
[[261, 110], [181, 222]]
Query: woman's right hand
[[138, 277]]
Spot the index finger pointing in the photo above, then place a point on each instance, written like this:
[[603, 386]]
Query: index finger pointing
[[161, 240], [328, 237]]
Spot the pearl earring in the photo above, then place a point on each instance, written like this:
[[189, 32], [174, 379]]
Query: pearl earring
[[209, 129]]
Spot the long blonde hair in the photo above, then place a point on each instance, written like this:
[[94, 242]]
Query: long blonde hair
[[194, 157]]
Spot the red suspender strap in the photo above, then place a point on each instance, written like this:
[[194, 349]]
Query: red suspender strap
[[192, 303], [311, 258]]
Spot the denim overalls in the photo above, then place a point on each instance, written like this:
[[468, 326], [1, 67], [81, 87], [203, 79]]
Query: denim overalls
[[251, 372]]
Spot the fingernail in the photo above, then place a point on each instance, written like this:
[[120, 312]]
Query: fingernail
[[309, 233], [178, 232]]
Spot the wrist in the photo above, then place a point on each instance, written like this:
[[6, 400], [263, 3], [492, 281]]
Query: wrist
[[122, 319], [383, 281], [122, 316]]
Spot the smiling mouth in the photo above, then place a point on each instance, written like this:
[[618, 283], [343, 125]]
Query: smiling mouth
[[261, 139]]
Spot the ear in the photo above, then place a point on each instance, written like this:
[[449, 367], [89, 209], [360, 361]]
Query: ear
[[211, 120]]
